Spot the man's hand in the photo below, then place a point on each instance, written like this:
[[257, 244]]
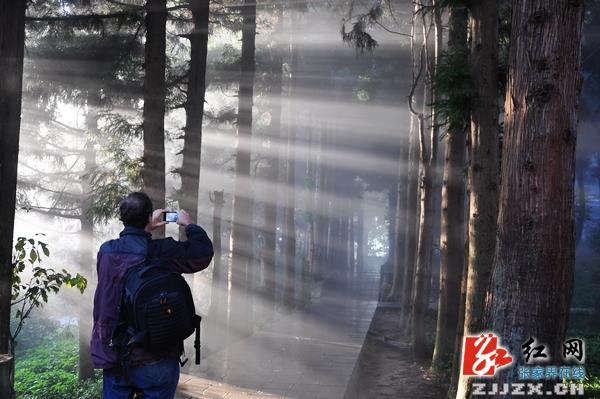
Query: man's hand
[[156, 220], [184, 218]]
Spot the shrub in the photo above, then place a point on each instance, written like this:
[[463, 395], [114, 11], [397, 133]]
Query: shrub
[[49, 371]]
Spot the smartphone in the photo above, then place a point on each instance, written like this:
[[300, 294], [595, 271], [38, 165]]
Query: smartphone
[[170, 217]]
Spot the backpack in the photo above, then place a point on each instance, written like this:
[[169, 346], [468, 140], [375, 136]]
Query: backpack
[[156, 311]]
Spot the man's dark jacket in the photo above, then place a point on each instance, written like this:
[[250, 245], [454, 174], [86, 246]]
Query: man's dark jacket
[[130, 249]]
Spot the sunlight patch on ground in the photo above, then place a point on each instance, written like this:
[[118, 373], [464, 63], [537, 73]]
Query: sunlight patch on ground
[[197, 387]]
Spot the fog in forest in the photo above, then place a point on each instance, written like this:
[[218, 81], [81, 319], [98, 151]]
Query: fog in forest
[[328, 147]]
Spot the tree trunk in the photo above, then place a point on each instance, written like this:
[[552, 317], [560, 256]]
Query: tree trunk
[[218, 297], [12, 38], [360, 235], [153, 171], [460, 325], [482, 179], [412, 190], [422, 283], [452, 234], [321, 212], [86, 245], [533, 271], [7, 375], [240, 322], [272, 174], [289, 228], [194, 110], [581, 200], [309, 265], [400, 223]]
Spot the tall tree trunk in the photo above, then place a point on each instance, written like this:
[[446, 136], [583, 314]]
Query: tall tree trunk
[[86, 244], [429, 147], [289, 228], [218, 297], [452, 233], [272, 173], [360, 234], [412, 190], [482, 179], [581, 200], [194, 110], [532, 279], [308, 267], [400, 223], [12, 38], [460, 325], [272, 177], [240, 322], [321, 201], [153, 171]]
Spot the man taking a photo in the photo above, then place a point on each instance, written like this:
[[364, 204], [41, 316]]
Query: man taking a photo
[[154, 373]]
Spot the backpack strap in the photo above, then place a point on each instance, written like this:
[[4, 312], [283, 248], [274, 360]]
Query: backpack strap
[[197, 320]]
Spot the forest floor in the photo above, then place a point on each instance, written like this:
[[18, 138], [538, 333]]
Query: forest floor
[[386, 368]]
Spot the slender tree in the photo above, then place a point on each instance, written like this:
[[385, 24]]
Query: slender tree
[[273, 166], [482, 177], [289, 227], [428, 156], [86, 252], [155, 91], [412, 189], [581, 211], [240, 321], [532, 279], [452, 85], [400, 221], [12, 39], [194, 108], [218, 295]]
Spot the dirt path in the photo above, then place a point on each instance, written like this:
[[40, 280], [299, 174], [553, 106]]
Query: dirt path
[[386, 369]]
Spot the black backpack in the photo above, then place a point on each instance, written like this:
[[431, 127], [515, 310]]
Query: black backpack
[[156, 311]]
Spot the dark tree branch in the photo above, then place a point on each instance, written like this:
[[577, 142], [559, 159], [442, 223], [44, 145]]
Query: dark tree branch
[[79, 17]]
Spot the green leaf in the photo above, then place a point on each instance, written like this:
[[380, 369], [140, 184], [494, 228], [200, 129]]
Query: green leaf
[[32, 255]]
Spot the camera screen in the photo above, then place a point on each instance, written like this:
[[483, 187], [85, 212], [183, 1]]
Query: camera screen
[[170, 216]]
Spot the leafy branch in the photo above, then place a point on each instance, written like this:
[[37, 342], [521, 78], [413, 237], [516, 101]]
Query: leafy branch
[[32, 283]]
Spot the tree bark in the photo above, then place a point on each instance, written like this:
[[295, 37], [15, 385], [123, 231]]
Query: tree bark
[[482, 179], [240, 322], [452, 234], [194, 110], [532, 279], [12, 39], [153, 171]]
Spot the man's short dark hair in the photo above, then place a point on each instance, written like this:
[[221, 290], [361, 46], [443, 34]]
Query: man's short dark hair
[[135, 209]]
